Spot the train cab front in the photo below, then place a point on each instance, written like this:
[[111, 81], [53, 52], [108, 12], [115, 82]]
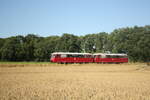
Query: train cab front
[[55, 58], [52, 58]]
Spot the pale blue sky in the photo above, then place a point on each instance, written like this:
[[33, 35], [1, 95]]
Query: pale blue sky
[[79, 17]]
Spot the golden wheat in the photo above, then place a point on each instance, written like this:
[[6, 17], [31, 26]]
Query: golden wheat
[[76, 82]]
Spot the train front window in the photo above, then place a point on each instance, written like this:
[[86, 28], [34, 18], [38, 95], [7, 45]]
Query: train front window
[[53, 56], [57, 56], [63, 56]]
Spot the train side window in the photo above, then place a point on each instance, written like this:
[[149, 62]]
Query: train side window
[[120, 57], [57, 56], [124, 56], [85, 56], [70, 56], [88, 56], [63, 56], [108, 56], [103, 56], [114, 56], [81, 56], [75, 56], [98, 56], [53, 56]]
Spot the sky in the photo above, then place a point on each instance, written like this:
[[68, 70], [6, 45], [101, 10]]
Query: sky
[[78, 17]]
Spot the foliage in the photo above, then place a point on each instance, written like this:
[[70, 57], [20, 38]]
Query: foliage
[[45, 47], [68, 43], [135, 41]]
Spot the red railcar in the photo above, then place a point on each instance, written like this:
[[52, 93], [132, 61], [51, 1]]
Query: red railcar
[[64, 57], [110, 58]]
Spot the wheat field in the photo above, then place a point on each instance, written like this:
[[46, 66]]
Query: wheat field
[[75, 82]]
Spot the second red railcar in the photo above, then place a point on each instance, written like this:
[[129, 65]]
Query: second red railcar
[[110, 58]]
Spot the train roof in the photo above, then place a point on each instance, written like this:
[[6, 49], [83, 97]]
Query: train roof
[[112, 54], [71, 53]]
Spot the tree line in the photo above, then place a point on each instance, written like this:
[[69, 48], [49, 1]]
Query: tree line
[[135, 41]]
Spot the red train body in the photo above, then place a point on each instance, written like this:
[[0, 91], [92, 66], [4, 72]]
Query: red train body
[[62, 57], [110, 58], [71, 57]]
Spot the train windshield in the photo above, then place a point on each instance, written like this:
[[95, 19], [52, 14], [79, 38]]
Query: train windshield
[[55, 56]]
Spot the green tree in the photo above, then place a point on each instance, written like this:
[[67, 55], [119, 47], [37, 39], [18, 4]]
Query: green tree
[[95, 42], [45, 47], [134, 41], [29, 46], [88, 43], [102, 42], [68, 43], [13, 50], [2, 41]]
